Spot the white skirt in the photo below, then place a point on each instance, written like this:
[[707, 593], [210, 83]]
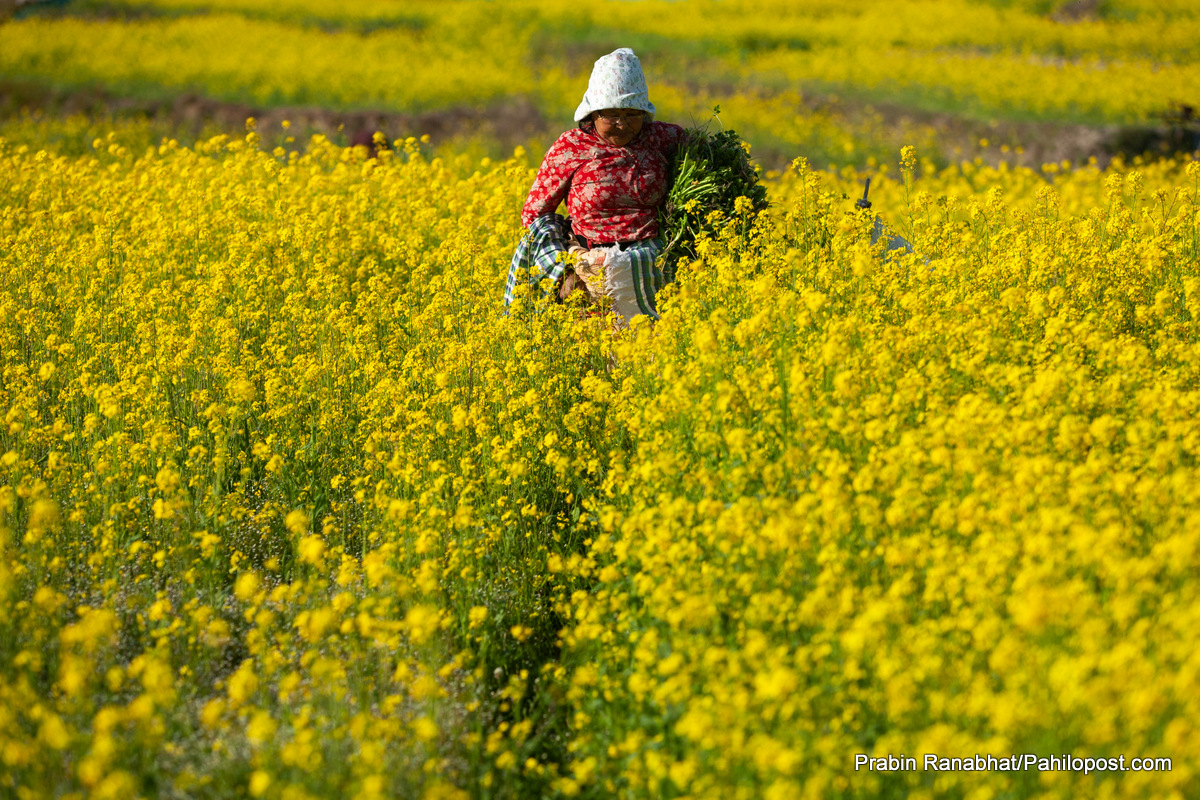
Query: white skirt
[[631, 283]]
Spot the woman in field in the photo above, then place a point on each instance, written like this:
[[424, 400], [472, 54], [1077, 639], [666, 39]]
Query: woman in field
[[612, 171]]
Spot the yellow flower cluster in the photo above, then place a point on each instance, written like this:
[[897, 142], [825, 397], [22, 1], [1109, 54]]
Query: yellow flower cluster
[[925, 193], [290, 508], [941, 502], [278, 481]]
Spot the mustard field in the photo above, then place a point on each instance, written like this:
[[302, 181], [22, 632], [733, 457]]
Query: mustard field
[[289, 508]]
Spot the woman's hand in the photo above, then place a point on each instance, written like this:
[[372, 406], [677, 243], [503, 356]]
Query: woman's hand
[[588, 262], [589, 266]]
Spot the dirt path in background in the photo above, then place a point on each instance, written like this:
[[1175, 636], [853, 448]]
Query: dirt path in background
[[1033, 144], [1030, 144], [517, 121]]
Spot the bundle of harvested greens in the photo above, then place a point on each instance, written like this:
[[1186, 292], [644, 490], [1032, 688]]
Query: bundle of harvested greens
[[709, 173]]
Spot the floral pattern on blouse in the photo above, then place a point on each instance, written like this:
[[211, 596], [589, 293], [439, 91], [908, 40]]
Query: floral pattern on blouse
[[612, 193]]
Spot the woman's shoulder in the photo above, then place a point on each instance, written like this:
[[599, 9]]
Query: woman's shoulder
[[573, 135], [666, 132], [669, 128], [572, 141]]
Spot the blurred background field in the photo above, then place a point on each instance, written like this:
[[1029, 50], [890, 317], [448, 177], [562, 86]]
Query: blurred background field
[[289, 507], [1028, 82]]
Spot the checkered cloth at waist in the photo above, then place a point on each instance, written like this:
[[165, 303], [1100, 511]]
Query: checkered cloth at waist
[[538, 256]]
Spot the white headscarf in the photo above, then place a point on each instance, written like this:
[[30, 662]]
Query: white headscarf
[[617, 82]]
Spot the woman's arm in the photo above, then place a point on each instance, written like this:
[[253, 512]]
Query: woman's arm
[[552, 183]]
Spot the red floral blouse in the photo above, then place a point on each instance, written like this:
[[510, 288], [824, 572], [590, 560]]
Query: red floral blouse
[[612, 193]]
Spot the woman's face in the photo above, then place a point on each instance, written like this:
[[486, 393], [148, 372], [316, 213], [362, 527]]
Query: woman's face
[[618, 126]]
